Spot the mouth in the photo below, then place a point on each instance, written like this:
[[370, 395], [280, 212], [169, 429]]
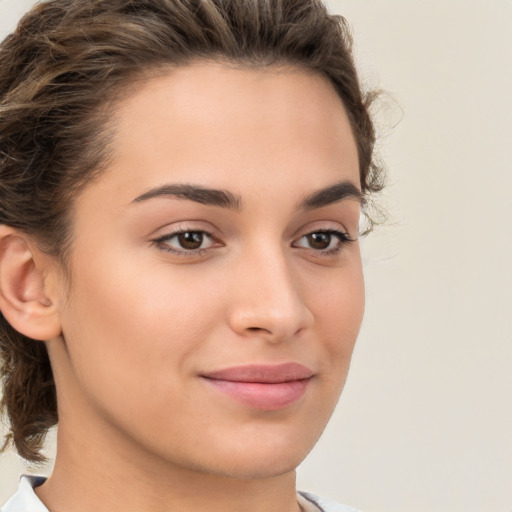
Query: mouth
[[264, 387]]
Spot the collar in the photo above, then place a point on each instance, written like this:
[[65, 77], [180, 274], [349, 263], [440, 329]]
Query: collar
[[25, 499]]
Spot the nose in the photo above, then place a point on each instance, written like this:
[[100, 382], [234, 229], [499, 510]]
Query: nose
[[266, 300]]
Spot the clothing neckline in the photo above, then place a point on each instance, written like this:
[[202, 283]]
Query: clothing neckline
[[25, 499]]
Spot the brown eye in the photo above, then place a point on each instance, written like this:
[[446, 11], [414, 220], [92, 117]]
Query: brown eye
[[324, 242], [319, 241], [190, 239], [186, 242]]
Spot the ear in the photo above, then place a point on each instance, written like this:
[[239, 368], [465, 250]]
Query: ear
[[26, 300]]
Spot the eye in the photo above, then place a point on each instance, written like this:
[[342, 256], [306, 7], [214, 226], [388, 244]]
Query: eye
[[183, 242], [324, 241]]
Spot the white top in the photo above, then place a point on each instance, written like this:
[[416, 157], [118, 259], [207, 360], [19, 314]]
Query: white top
[[26, 500]]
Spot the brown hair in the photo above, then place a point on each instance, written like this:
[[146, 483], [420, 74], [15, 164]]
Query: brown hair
[[63, 70]]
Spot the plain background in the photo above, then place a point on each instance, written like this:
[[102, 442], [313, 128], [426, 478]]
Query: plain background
[[425, 421]]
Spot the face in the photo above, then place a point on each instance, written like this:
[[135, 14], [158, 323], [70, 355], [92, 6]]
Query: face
[[216, 287]]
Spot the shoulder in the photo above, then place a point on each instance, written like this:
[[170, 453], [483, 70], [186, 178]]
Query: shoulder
[[25, 499], [326, 505]]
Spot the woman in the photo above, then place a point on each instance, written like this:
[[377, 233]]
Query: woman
[[180, 276]]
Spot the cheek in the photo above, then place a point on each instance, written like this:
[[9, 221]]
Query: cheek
[[342, 310], [339, 309], [135, 329]]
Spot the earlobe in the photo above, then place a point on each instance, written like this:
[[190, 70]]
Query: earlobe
[[25, 301]]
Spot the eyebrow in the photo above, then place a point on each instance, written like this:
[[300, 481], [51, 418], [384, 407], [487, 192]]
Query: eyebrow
[[225, 199], [329, 195], [207, 196]]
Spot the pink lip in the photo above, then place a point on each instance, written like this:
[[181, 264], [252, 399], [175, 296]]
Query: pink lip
[[266, 387]]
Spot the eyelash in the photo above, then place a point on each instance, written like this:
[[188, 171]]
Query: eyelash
[[343, 240], [160, 243]]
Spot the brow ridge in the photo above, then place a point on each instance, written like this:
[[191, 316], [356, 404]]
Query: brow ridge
[[332, 194], [198, 194], [226, 199]]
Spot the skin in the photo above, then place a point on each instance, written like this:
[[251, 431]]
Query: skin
[[139, 429]]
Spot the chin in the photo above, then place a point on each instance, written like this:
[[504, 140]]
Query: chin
[[251, 469], [258, 458]]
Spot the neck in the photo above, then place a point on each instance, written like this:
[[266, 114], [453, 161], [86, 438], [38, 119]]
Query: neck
[[107, 475]]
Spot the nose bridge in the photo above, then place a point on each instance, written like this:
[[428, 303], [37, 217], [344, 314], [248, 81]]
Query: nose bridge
[[268, 301]]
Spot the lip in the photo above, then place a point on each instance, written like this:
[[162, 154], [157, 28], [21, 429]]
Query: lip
[[265, 387]]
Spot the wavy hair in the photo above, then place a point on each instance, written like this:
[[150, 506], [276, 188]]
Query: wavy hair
[[64, 69]]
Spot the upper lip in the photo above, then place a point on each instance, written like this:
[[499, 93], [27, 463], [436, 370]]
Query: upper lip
[[262, 373]]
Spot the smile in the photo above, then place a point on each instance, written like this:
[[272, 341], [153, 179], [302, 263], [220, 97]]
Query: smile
[[264, 387]]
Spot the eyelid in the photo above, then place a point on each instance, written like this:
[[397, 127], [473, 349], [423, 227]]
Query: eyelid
[[340, 233], [343, 236], [174, 230], [180, 225], [159, 241], [326, 225]]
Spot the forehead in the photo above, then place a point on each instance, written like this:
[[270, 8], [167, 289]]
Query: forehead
[[243, 129], [220, 106]]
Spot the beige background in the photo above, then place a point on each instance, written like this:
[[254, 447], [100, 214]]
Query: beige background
[[425, 423]]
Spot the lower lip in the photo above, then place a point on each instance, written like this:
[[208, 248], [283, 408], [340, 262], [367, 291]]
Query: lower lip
[[264, 396]]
